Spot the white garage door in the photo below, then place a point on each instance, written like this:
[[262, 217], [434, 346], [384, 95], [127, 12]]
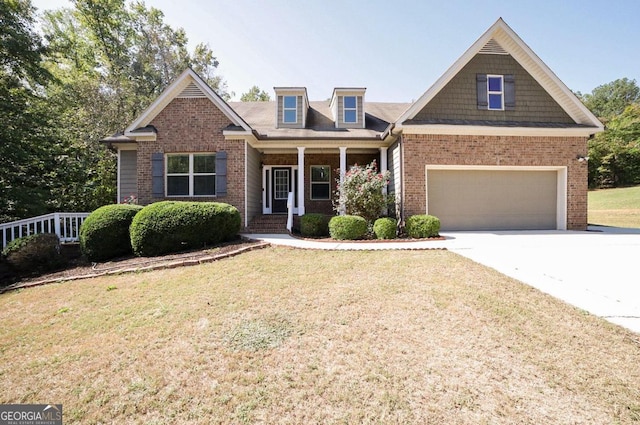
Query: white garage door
[[493, 199]]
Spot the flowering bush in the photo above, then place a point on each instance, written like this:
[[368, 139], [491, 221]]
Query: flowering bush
[[361, 192]]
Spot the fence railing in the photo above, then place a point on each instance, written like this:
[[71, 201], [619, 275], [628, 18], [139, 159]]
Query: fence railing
[[65, 225]]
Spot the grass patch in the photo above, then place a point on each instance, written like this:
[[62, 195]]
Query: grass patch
[[298, 336], [618, 207]]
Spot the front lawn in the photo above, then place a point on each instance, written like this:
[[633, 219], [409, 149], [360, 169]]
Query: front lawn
[[301, 336], [618, 207]]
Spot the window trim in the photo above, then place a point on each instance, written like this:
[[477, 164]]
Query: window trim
[[191, 174], [312, 182], [495, 92], [285, 109], [345, 109]]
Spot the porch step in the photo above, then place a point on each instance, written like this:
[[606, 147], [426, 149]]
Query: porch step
[[268, 224]]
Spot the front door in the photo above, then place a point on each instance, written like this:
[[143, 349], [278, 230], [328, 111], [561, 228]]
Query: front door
[[281, 188]]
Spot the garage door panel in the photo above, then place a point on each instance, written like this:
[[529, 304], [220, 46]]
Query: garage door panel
[[493, 199]]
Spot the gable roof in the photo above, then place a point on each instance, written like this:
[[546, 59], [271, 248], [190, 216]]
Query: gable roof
[[188, 84], [501, 39]]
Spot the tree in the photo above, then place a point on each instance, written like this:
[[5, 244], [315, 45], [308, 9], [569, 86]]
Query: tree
[[110, 60], [614, 155], [26, 149], [611, 99], [255, 94]]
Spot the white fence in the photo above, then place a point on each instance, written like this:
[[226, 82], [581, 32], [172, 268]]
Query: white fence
[[65, 225]]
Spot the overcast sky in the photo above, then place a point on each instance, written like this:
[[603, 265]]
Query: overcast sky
[[398, 49]]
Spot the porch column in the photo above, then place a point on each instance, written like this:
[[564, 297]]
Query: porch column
[[300, 180], [343, 171], [383, 165]]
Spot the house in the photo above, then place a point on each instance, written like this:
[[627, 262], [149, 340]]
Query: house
[[497, 142]]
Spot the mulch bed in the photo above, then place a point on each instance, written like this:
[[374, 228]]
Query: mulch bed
[[81, 269]]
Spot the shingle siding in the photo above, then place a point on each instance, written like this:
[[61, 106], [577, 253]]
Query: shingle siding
[[458, 99]]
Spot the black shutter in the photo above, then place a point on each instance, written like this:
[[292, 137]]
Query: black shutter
[[509, 92], [481, 88], [157, 175], [221, 173]]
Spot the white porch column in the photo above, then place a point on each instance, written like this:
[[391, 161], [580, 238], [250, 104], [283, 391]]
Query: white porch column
[[343, 163], [300, 180], [343, 171], [383, 165]]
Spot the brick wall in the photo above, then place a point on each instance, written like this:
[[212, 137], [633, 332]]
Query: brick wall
[[190, 126], [421, 150]]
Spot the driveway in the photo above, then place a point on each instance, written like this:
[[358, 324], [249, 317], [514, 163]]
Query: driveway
[[597, 270]]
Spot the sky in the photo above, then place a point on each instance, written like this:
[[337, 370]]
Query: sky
[[397, 48]]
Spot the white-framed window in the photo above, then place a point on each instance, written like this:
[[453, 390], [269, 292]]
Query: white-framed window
[[320, 182], [495, 92], [350, 106], [191, 174], [290, 109]]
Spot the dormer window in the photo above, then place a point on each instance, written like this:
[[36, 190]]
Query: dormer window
[[495, 92], [350, 109], [290, 109]]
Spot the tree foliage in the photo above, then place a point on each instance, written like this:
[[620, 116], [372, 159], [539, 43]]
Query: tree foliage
[[255, 94], [26, 149], [611, 99]]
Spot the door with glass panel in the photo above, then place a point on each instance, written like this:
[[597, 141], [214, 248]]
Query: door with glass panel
[[281, 188]]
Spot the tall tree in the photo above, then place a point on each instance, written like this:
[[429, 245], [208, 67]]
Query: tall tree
[[111, 60], [255, 94], [25, 148], [611, 99]]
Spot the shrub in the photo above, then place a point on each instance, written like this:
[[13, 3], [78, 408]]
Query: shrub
[[171, 226], [35, 253], [105, 233], [360, 193], [347, 227], [385, 228], [314, 225], [422, 226]]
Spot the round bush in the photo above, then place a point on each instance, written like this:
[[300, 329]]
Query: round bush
[[314, 225], [172, 226], [347, 227], [34, 253], [422, 226], [105, 233], [385, 228]]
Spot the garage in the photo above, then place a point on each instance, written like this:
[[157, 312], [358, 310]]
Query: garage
[[497, 198]]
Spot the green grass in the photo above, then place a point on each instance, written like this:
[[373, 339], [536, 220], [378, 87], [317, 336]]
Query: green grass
[[618, 207], [300, 336]]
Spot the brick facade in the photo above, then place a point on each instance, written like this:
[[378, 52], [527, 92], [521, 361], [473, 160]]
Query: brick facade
[[422, 150], [191, 125]]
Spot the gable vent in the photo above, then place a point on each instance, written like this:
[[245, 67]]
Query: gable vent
[[493, 48], [192, 91]]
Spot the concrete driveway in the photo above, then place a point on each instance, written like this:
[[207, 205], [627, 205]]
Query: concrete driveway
[[597, 270]]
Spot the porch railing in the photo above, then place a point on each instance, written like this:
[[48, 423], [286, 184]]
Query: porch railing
[[65, 225]]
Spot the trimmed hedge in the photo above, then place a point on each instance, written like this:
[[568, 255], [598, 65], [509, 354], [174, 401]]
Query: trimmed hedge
[[172, 226], [422, 226], [105, 233], [34, 253], [347, 227], [385, 228], [314, 224]]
